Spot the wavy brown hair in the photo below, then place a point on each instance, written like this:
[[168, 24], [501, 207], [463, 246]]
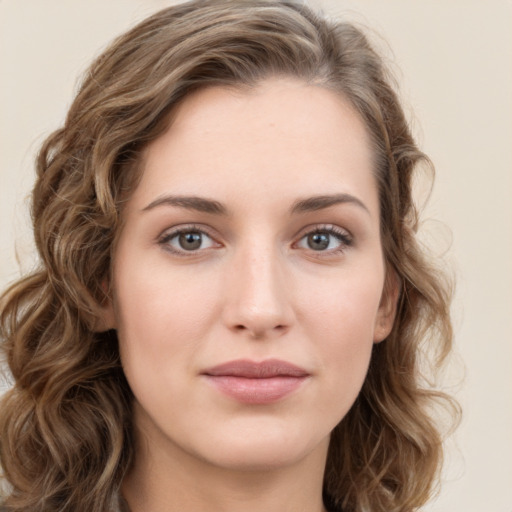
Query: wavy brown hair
[[65, 426]]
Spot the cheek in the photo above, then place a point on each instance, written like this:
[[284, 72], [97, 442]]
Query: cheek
[[162, 317], [344, 307], [152, 301], [341, 323]]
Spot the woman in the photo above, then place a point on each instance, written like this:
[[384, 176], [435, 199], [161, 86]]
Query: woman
[[232, 310]]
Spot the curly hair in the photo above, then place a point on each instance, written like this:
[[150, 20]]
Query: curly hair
[[66, 437]]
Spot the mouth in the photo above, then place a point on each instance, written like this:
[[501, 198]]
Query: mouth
[[252, 382]]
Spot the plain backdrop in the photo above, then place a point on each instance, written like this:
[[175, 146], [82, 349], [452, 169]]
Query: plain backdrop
[[453, 60]]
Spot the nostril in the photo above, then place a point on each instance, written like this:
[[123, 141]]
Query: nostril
[[260, 333]]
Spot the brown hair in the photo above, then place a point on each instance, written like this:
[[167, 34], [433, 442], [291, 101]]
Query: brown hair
[[65, 426]]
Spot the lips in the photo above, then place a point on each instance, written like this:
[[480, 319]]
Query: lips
[[253, 382]]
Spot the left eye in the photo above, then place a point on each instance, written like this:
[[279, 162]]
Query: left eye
[[191, 240], [324, 240]]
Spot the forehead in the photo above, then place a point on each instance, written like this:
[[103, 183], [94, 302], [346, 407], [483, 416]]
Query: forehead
[[285, 136]]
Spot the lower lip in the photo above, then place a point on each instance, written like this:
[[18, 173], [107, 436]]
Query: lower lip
[[256, 391]]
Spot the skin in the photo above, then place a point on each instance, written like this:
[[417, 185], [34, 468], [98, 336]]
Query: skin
[[253, 289]]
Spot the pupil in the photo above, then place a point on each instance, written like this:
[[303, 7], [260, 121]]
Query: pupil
[[318, 241], [190, 241]]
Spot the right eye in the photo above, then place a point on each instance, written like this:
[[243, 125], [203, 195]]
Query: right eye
[[187, 240]]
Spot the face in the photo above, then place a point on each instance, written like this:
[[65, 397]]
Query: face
[[248, 278]]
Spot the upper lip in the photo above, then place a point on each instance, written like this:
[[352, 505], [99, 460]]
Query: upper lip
[[256, 370]]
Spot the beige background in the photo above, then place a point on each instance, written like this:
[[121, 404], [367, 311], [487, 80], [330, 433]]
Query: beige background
[[454, 61]]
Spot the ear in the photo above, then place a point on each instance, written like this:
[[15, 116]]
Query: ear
[[106, 319], [387, 307]]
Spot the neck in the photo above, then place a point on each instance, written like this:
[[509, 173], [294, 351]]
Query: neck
[[172, 480]]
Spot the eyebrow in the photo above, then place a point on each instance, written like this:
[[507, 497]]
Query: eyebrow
[[200, 204], [205, 205], [325, 201]]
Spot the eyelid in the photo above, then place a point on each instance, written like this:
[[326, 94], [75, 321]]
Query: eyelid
[[312, 228]]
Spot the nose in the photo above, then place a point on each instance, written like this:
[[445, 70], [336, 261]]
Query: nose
[[258, 295]]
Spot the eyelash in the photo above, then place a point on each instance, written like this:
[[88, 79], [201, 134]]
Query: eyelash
[[165, 239], [342, 236]]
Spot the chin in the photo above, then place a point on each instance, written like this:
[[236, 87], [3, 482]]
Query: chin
[[263, 450]]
